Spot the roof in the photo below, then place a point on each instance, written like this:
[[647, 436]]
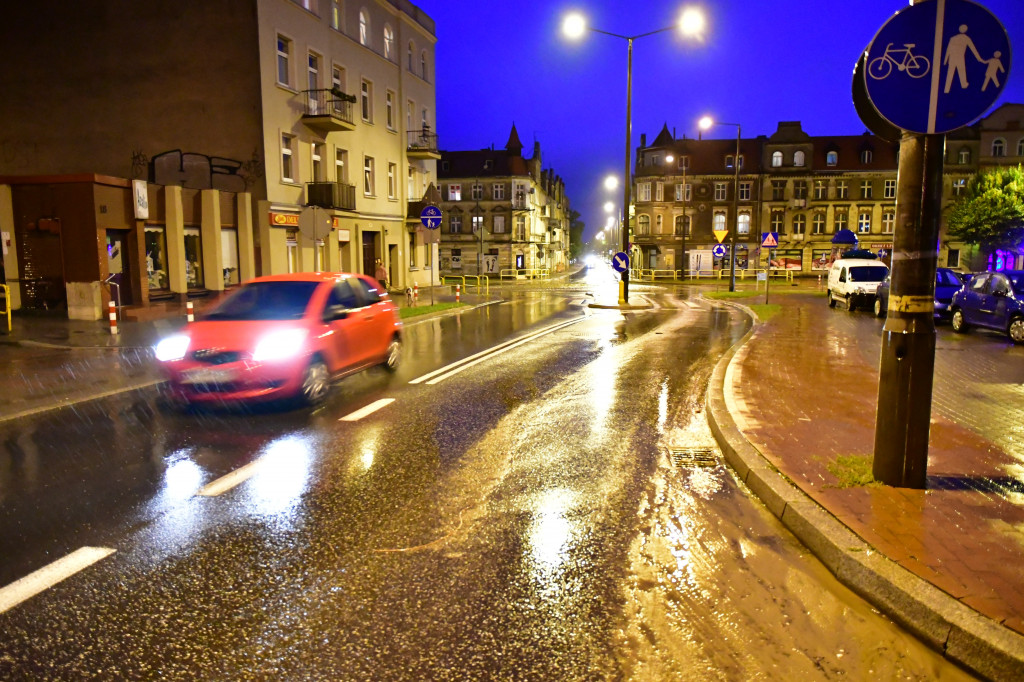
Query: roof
[[474, 164]]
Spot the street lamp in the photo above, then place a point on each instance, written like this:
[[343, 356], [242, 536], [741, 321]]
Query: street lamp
[[691, 23], [704, 124]]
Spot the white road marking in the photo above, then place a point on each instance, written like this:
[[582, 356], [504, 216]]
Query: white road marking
[[229, 481], [368, 410], [49, 575]]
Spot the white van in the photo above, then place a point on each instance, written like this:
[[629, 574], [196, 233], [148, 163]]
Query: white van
[[854, 281]]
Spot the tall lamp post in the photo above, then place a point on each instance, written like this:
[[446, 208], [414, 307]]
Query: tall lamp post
[[574, 26], [706, 123]]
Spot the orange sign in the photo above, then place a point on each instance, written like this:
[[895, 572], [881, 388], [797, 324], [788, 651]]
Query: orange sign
[[284, 219]]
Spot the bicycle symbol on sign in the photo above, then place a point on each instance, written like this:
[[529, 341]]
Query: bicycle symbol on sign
[[913, 65]]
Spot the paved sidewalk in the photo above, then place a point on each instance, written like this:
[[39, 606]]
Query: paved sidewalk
[[947, 562]]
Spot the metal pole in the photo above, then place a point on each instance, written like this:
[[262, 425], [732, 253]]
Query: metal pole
[[682, 257], [907, 362], [627, 182], [735, 210]]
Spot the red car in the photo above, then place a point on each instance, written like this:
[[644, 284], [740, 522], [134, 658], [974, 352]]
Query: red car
[[282, 336]]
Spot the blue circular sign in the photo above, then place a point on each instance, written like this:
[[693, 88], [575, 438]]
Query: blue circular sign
[[937, 66], [620, 262], [430, 216], [718, 251]]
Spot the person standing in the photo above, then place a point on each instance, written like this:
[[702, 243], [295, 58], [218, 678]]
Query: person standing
[[381, 275]]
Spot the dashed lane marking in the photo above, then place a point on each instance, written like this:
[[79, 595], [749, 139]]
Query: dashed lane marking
[[51, 574], [366, 411]]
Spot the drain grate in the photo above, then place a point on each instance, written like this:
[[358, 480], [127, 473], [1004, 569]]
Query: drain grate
[[694, 457]]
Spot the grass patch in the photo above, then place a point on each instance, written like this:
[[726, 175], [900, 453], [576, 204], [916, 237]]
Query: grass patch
[[733, 294], [765, 311], [425, 309], [853, 471]]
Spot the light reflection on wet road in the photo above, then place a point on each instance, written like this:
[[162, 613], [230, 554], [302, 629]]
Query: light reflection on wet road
[[521, 520]]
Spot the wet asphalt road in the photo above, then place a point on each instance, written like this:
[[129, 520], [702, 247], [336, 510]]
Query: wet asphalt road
[[524, 518]]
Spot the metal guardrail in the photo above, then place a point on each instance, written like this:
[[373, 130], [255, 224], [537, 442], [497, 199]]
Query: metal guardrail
[[6, 291], [525, 273], [742, 274]]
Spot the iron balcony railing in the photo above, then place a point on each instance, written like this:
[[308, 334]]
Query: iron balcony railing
[[422, 141], [329, 103], [331, 195]]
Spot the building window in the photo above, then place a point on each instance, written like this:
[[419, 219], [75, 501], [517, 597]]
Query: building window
[[340, 165], [194, 258], [798, 158], [776, 159], [778, 190], [520, 228], [455, 223], [744, 191], [865, 189], [455, 192], [778, 222], [964, 157], [842, 189], [478, 223], [389, 43], [423, 65], [728, 161], [284, 55], [659, 191], [818, 223], [720, 191], [682, 225], [800, 190], [744, 224], [866, 156], [832, 158], [338, 77], [364, 28], [392, 180], [317, 155], [335, 15], [643, 225], [156, 257], [498, 224], [953, 258], [313, 71], [498, 191], [287, 163], [1020, 147], [643, 191], [684, 163], [820, 189], [476, 191], [889, 191], [864, 222], [369, 181], [888, 222], [412, 251], [718, 222], [389, 109], [799, 224], [840, 221], [999, 147], [366, 100], [959, 186], [658, 225]]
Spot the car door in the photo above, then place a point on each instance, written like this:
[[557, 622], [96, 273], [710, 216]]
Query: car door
[[344, 322], [999, 296], [974, 299], [379, 320]]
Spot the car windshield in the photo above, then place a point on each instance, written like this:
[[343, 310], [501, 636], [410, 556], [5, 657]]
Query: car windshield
[[867, 274], [947, 278], [265, 301]]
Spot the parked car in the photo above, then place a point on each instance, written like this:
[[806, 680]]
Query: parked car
[[854, 281], [947, 283], [994, 300], [282, 336]]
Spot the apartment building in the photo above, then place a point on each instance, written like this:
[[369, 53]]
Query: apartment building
[[501, 212], [232, 138]]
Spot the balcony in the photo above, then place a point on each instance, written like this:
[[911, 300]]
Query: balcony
[[328, 111], [422, 144], [336, 195]]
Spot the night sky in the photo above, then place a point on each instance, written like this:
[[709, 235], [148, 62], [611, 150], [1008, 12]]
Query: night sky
[[761, 62]]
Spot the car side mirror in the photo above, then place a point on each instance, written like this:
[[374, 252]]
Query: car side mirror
[[999, 292]]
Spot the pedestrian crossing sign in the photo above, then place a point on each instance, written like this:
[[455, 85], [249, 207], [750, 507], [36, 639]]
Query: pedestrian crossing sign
[[720, 235], [769, 240]]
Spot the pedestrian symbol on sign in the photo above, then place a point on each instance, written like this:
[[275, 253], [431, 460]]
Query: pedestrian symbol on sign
[[769, 240]]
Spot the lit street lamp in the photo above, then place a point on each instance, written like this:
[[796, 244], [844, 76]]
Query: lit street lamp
[[704, 124], [691, 23]]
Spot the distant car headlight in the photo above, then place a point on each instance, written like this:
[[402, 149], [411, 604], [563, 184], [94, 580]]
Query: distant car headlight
[[172, 348], [279, 345]]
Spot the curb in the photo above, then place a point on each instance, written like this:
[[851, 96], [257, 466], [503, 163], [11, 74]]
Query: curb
[[958, 632]]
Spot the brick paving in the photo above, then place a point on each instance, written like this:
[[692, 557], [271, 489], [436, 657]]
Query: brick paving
[[804, 390]]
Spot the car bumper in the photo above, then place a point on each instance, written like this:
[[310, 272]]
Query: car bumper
[[236, 382]]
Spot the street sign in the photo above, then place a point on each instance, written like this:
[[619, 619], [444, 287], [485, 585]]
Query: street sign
[[430, 216], [720, 235], [620, 262], [937, 66], [769, 240], [718, 251]]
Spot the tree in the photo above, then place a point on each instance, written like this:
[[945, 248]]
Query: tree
[[575, 234], [990, 213]]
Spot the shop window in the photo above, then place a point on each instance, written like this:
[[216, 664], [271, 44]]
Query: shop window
[[156, 257], [229, 252], [194, 258]]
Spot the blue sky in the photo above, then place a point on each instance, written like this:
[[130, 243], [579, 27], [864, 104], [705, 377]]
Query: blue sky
[[761, 62]]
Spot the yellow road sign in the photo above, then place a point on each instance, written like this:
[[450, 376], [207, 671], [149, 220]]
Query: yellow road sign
[[720, 235]]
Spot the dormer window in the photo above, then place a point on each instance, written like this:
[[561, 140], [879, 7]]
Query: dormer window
[[728, 161], [798, 158], [866, 156], [999, 147], [964, 157], [832, 158], [777, 160]]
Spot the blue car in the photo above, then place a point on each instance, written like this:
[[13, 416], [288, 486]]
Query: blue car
[[994, 300], [947, 283]]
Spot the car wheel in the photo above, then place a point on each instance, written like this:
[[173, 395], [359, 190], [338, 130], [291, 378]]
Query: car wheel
[[879, 310], [394, 355], [316, 382], [831, 300], [1016, 330], [957, 321]]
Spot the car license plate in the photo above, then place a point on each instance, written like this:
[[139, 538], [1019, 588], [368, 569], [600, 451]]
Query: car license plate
[[208, 375]]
